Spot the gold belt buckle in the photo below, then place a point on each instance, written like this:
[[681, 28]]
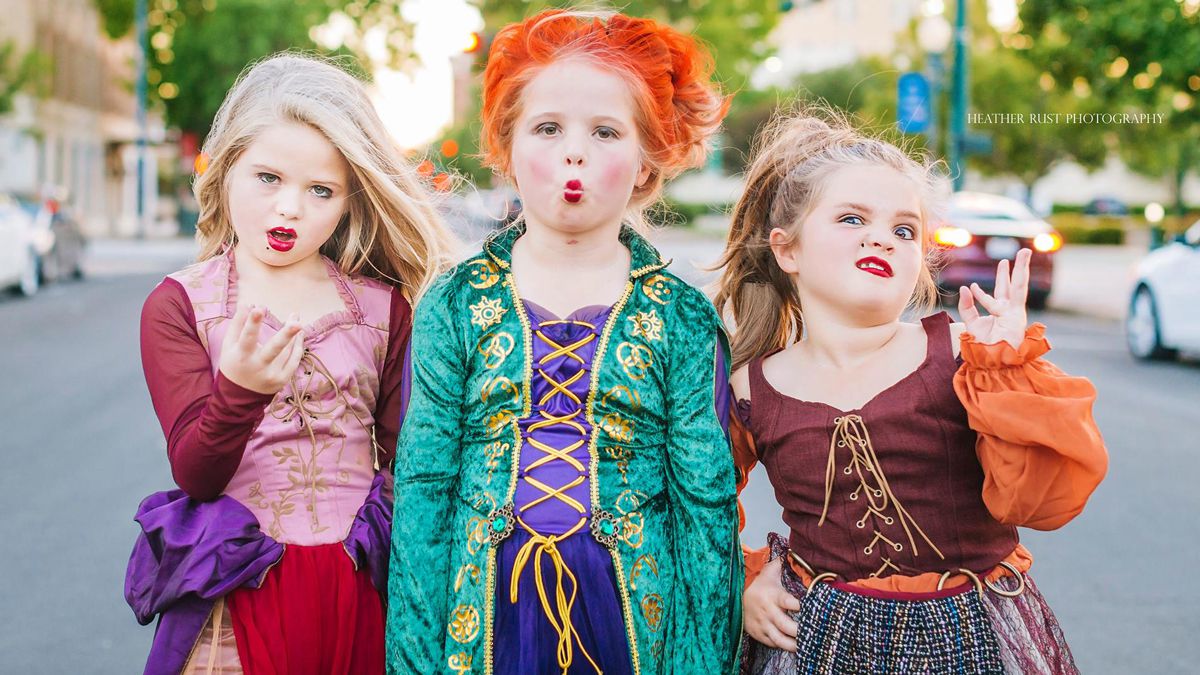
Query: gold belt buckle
[[962, 570]]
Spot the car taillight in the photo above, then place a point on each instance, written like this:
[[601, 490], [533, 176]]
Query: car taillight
[[952, 236], [1047, 242]]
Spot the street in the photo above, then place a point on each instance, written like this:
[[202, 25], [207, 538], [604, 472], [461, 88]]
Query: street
[[83, 448]]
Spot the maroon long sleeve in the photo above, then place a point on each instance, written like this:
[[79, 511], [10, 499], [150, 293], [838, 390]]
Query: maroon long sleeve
[[207, 421]]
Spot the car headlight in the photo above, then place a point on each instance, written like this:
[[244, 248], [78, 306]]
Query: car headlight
[[955, 237], [1047, 242]]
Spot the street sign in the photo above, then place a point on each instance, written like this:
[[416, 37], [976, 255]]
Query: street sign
[[914, 105]]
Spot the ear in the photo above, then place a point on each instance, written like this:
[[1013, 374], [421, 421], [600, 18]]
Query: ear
[[643, 174], [786, 249]]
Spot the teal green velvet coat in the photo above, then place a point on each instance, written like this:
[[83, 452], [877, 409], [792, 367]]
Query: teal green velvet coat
[[662, 475]]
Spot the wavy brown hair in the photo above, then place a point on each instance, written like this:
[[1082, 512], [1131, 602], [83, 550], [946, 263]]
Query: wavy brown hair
[[792, 156]]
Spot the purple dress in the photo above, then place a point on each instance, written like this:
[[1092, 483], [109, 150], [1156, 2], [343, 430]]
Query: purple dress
[[552, 500]]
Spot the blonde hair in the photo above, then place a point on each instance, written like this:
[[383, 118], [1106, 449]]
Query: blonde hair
[[792, 157], [390, 231]]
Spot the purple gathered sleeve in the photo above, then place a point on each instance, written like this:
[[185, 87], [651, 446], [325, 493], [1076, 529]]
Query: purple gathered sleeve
[[188, 554], [370, 539]]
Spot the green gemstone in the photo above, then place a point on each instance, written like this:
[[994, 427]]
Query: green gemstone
[[607, 527], [498, 523]]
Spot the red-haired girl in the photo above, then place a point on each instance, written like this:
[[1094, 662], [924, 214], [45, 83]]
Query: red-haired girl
[[565, 494], [905, 455]]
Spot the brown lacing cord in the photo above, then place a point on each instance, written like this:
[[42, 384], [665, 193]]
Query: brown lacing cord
[[850, 432]]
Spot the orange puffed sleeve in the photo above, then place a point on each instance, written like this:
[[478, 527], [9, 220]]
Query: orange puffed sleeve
[[745, 456], [1041, 452]]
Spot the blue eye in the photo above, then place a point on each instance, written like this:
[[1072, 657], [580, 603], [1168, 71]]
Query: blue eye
[[607, 133], [268, 178], [322, 191], [906, 233], [856, 220], [547, 129]]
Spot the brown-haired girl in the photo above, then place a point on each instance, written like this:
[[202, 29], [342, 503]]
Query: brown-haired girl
[[904, 455]]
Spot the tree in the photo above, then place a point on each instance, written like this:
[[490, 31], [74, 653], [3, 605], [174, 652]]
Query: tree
[[197, 48], [20, 72], [1133, 57]]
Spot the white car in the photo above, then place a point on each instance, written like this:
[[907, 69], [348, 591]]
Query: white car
[[19, 261], [1163, 319]]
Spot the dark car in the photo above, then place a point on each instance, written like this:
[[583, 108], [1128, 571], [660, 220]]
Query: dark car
[[57, 238], [1106, 206], [980, 230]]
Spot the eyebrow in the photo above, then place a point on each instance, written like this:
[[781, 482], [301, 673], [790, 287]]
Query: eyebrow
[[866, 209], [318, 181]]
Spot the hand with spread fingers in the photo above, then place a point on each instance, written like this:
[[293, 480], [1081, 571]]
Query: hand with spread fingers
[[1006, 317], [264, 368], [766, 605]]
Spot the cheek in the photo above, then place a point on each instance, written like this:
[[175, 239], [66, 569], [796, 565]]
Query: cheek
[[618, 171]]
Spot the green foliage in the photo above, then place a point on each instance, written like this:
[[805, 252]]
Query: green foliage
[[1133, 56], [197, 48], [735, 30], [21, 72], [1076, 228]]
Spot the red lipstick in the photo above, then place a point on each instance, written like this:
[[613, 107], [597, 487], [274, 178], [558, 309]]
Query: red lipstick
[[573, 191], [877, 266], [281, 239]]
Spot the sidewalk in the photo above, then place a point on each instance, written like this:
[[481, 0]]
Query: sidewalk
[[115, 257]]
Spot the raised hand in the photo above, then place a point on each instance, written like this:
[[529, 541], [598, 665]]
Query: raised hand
[[766, 604], [262, 368], [1006, 319]]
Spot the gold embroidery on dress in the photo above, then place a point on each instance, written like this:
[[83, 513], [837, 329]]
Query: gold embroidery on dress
[[487, 311], [850, 432], [484, 274], [652, 610], [304, 404], [468, 571], [495, 348], [644, 561], [618, 428], [464, 624], [647, 325], [619, 392], [635, 359], [460, 662], [494, 451], [658, 288]]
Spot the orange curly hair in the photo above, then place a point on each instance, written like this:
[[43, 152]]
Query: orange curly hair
[[678, 106]]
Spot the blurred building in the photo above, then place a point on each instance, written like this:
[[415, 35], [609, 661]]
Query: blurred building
[[78, 142]]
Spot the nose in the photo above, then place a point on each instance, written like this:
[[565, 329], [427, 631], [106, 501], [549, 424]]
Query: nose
[[288, 204], [574, 150], [877, 238]]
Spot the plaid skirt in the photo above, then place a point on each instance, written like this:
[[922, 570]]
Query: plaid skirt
[[842, 631]]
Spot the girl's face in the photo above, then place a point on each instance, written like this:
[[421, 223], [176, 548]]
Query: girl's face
[[576, 153], [287, 194], [860, 247]]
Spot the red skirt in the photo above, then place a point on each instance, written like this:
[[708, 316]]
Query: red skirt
[[313, 614]]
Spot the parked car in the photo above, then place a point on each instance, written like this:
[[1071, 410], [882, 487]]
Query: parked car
[[982, 229], [57, 238], [1106, 206], [19, 261], [1163, 319]]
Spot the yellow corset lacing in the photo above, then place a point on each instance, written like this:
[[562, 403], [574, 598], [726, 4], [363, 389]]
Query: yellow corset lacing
[[538, 545]]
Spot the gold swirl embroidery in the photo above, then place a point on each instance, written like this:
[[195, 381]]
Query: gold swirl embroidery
[[497, 423], [635, 359], [621, 393], [469, 571], [631, 529], [658, 288], [495, 347], [464, 624], [487, 312], [652, 610], [477, 534], [622, 455], [656, 650], [460, 662], [484, 274], [494, 451], [644, 561], [483, 501], [629, 500], [647, 325], [501, 385], [618, 428]]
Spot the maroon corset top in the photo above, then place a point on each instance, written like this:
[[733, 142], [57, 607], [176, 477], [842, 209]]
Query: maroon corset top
[[893, 487]]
